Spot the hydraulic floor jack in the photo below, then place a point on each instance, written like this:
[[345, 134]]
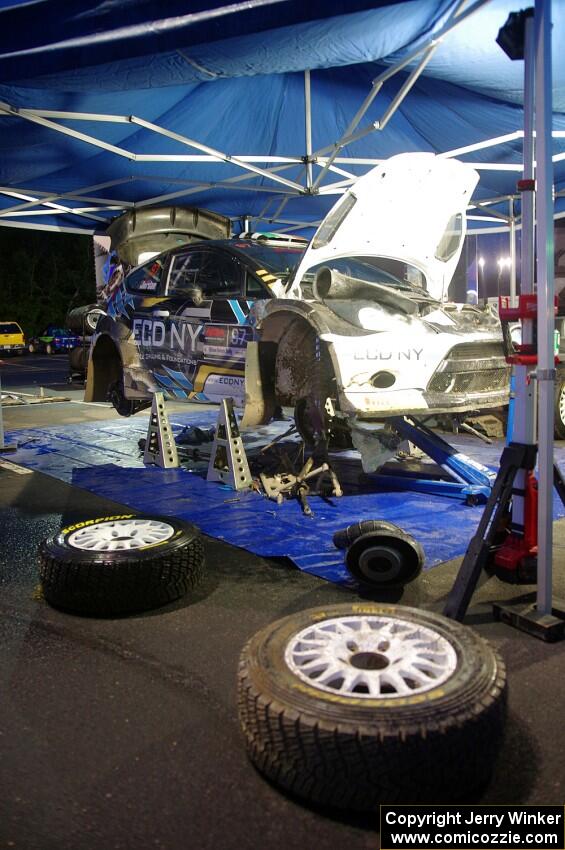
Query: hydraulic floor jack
[[469, 480]]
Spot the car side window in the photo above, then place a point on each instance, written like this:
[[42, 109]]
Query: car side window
[[211, 274], [220, 275], [254, 288], [184, 272], [147, 278]]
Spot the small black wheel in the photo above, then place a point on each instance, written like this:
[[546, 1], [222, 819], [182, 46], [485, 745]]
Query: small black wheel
[[380, 554], [360, 704], [120, 564]]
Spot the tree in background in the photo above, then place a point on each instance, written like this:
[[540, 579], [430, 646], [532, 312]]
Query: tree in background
[[42, 275]]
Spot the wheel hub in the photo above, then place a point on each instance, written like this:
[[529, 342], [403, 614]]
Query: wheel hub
[[371, 657]]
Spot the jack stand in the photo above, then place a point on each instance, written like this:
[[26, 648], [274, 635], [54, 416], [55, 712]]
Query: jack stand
[[228, 461], [473, 481], [160, 446], [527, 618], [525, 615], [516, 457]]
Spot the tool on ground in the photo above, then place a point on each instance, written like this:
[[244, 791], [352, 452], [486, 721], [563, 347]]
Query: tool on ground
[[295, 485]]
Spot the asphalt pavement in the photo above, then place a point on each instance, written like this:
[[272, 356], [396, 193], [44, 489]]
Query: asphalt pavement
[[28, 372], [123, 733]]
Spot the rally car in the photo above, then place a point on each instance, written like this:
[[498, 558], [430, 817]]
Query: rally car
[[355, 323], [52, 340]]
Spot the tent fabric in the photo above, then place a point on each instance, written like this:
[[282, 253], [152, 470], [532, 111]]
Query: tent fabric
[[233, 80]]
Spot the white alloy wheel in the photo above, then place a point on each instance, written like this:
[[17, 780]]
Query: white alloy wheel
[[371, 656], [121, 534]]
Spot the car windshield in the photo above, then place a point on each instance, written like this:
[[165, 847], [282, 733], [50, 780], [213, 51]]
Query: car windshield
[[9, 328], [378, 270], [278, 260]]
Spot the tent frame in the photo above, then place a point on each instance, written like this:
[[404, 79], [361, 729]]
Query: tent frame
[[268, 168]]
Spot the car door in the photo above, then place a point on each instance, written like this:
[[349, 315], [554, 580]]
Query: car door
[[140, 312], [208, 326]]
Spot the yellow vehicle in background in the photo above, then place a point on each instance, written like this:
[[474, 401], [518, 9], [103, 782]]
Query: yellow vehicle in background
[[11, 338]]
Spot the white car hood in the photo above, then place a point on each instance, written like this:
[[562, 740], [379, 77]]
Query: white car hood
[[400, 210]]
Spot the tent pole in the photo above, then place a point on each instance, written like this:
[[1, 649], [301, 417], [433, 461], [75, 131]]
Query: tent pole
[[512, 252], [308, 128], [524, 425], [545, 287]]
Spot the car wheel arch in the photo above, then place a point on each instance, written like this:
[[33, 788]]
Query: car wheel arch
[[104, 368], [285, 331]]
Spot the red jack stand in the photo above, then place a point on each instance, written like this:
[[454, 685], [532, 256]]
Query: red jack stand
[[514, 495], [515, 561]]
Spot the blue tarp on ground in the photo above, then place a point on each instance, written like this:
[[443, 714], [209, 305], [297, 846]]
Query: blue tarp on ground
[[103, 458], [231, 78]]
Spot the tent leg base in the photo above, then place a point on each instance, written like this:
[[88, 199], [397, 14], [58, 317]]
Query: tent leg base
[[526, 617]]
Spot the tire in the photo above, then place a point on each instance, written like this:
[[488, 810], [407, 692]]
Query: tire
[[83, 320], [49, 349], [122, 405], [559, 408], [108, 582], [314, 382], [78, 359], [32, 348], [380, 554], [435, 743]]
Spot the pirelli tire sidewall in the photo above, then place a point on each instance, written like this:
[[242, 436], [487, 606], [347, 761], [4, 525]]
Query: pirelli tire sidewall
[[430, 746], [106, 583]]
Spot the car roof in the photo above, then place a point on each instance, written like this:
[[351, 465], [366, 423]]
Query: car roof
[[270, 243]]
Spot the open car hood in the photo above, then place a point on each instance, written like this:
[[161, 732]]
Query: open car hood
[[411, 208]]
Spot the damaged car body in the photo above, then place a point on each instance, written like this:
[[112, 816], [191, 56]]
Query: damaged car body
[[352, 329]]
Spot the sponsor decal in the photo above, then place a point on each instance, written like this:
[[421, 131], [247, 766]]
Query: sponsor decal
[[86, 522], [154, 333], [218, 387], [373, 354]]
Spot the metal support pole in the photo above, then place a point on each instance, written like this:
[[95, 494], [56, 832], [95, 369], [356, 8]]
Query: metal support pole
[[308, 128], [512, 252], [546, 289], [524, 424]]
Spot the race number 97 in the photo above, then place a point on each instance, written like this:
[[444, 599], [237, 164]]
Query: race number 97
[[237, 336]]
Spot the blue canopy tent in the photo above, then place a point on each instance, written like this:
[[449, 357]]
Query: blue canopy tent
[[264, 110]]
